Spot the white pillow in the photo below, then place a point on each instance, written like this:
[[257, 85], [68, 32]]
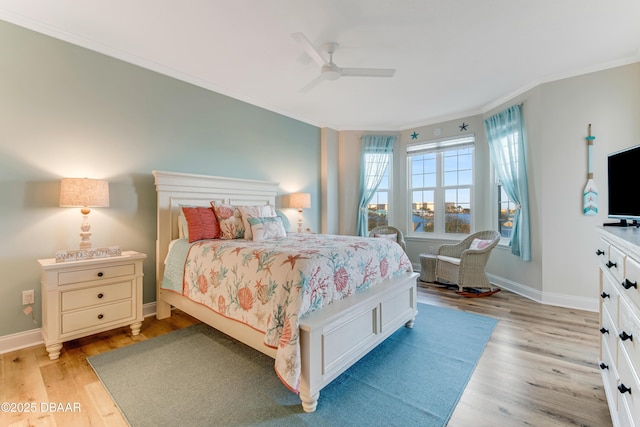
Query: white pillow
[[480, 244], [258, 211], [389, 236], [183, 227], [266, 228]]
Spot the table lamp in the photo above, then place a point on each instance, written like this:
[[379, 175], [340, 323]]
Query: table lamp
[[300, 201]]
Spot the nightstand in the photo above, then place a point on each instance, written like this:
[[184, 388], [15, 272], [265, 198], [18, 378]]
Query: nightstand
[[81, 298]]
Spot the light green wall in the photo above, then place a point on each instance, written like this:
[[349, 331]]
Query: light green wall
[[66, 111]]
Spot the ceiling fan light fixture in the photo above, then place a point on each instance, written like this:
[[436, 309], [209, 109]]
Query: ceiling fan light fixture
[[331, 72]]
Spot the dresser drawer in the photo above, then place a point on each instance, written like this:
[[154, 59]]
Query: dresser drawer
[[96, 316], [609, 335], [89, 274], [630, 399], [632, 278], [603, 251], [616, 263], [629, 326], [609, 376], [88, 297], [609, 297]]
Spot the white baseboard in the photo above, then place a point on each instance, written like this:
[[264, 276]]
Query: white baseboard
[[560, 300], [20, 340], [33, 337]]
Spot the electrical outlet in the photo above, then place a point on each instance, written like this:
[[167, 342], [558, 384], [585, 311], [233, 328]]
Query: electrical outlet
[[28, 297]]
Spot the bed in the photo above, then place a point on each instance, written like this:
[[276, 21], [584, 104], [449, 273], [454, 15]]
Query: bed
[[329, 339]]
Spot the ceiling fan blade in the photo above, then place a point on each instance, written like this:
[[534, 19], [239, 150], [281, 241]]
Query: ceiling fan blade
[[309, 48], [315, 82], [367, 72]]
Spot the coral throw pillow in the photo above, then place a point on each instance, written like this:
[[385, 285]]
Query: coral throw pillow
[[202, 223]]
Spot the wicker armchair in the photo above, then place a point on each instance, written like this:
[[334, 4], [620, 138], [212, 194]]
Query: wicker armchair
[[459, 264], [389, 230]]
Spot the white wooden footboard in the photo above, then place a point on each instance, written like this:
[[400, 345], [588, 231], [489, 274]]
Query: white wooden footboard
[[336, 337]]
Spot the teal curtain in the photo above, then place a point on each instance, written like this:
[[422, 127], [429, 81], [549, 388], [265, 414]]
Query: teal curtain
[[505, 133], [375, 154]]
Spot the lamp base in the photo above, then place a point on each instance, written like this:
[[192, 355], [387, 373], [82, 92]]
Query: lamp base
[[85, 231], [85, 240], [299, 220]]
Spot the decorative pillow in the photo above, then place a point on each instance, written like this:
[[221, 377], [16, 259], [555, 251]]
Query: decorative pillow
[[389, 236], [183, 227], [201, 223], [480, 244], [285, 220], [230, 219], [267, 228], [259, 211]]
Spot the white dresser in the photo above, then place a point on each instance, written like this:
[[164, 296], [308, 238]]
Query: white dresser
[[81, 298], [619, 253]]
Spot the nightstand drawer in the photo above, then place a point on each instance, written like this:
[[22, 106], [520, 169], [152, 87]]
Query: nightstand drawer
[[88, 297], [85, 275], [97, 316]]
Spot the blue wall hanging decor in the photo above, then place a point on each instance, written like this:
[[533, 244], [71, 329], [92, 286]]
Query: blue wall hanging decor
[[590, 197]]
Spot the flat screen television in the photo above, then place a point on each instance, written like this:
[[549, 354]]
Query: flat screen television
[[624, 200]]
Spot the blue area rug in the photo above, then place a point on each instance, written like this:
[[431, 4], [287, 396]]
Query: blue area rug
[[199, 377]]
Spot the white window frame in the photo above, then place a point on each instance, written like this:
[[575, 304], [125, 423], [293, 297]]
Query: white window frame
[[439, 147]]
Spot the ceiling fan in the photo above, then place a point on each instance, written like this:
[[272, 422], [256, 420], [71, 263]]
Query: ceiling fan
[[329, 70]]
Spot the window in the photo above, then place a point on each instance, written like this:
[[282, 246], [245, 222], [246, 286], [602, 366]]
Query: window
[[378, 207], [441, 186], [506, 212]]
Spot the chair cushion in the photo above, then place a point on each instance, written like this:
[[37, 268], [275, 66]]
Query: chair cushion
[[449, 259]]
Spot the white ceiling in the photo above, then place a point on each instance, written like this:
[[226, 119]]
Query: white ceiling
[[453, 57]]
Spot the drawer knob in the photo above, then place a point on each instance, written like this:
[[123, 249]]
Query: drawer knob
[[605, 295], [610, 264], [100, 316], [625, 336], [100, 274], [604, 330], [599, 252], [628, 284], [604, 365], [624, 389], [100, 295]]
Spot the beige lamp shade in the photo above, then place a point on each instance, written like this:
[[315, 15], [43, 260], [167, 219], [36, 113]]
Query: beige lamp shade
[[300, 200], [84, 192]]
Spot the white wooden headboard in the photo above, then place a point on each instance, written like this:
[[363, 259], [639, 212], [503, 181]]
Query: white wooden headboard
[[176, 189]]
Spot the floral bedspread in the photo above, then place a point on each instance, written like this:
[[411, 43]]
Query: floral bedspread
[[269, 285]]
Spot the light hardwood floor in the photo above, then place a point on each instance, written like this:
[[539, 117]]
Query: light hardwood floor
[[539, 369]]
